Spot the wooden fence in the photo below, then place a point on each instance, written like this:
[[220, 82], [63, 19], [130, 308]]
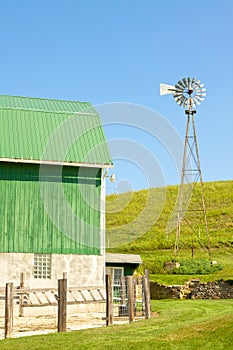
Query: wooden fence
[[62, 296]]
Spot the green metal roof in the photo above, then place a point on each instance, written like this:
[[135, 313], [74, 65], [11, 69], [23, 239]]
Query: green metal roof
[[51, 130]]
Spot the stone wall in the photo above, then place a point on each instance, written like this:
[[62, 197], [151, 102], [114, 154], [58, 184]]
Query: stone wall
[[160, 291], [193, 289], [211, 290]]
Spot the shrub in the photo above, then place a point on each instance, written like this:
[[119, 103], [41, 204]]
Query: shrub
[[197, 267]]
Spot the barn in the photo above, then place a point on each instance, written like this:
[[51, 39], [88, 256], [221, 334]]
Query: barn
[[53, 163]]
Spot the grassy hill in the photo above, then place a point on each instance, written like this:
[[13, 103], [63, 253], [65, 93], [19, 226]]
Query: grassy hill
[[137, 222]]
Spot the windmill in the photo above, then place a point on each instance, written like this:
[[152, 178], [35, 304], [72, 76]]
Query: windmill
[[188, 93]]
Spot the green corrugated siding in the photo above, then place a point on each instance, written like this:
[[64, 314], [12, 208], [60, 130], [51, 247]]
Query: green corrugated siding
[[28, 124], [25, 225]]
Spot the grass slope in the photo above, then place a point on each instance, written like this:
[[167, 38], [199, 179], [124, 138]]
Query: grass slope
[[137, 223], [189, 324]]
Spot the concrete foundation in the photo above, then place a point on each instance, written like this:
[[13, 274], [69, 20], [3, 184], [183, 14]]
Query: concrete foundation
[[82, 270]]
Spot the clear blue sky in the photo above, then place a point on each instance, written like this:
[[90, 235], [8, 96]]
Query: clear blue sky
[[120, 51]]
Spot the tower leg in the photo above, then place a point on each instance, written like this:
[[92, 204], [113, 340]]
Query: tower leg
[[181, 188], [202, 189]]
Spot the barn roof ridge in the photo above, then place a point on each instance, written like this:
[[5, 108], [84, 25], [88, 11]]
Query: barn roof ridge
[[46, 104]]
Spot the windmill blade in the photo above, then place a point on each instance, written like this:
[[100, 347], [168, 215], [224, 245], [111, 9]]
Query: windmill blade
[[177, 94], [167, 89], [200, 94], [178, 86], [185, 103], [178, 97], [181, 101], [199, 89], [196, 87], [181, 83], [201, 99], [196, 101], [185, 82]]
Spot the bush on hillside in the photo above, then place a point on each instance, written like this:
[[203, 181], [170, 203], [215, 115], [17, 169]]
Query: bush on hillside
[[197, 267]]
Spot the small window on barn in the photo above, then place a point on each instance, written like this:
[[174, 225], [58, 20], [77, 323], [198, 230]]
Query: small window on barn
[[42, 266]]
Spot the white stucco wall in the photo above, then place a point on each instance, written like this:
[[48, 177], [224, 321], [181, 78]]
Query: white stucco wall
[[82, 270]]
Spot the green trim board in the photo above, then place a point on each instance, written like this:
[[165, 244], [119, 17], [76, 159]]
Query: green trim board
[[51, 130], [26, 227]]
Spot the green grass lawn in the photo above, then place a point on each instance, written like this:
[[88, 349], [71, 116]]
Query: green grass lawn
[[188, 324]]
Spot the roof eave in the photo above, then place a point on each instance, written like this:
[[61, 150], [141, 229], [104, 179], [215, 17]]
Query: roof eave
[[115, 258], [57, 163]]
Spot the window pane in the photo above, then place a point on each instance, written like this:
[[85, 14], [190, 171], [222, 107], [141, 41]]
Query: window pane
[[118, 273], [42, 266]]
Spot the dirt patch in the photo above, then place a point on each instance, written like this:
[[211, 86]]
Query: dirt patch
[[29, 325]]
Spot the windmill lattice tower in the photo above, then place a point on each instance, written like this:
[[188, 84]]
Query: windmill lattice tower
[[188, 93]]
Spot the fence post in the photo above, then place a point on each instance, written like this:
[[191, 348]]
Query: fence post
[[109, 300], [122, 290], [21, 296], [134, 292], [62, 305], [146, 287], [130, 291], [9, 298]]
